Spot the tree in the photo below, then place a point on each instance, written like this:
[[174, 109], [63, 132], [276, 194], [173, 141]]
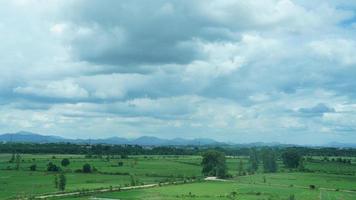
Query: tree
[[18, 161], [52, 167], [253, 161], [56, 181], [133, 180], [291, 158], [241, 168], [214, 164], [33, 167], [12, 159], [87, 168], [62, 182], [301, 165], [269, 161], [65, 162]]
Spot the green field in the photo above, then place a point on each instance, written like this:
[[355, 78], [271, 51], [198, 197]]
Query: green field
[[332, 180], [277, 186]]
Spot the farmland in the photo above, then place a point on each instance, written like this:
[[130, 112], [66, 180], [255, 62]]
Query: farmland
[[332, 180]]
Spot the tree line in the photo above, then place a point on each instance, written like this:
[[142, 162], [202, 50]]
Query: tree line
[[104, 150]]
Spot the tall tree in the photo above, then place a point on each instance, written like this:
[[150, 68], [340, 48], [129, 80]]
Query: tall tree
[[269, 161], [214, 164], [241, 168], [62, 181], [18, 161], [253, 161], [56, 181], [301, 164], [291, 158]]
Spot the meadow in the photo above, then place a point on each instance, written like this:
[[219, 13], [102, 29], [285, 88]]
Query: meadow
[[332, 180]]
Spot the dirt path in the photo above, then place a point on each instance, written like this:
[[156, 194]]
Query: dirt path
[[95, 191], [113, 189]]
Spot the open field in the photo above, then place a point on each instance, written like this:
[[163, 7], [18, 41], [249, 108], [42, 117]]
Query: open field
[[332, 180], [278, 186]]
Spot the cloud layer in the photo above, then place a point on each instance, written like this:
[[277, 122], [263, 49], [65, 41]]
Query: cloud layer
[[241, 71]]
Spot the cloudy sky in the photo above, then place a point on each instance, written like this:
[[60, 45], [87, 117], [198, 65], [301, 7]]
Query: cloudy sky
[[231, 70]]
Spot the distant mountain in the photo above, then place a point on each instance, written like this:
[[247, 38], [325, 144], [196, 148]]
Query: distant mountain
[[29, 137], [144, 141], [341, 145]]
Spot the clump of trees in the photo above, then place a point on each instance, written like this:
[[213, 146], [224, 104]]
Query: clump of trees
[[214, 164]]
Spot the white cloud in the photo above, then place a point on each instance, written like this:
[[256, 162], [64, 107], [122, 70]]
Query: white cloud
[[55, 89], [222, 69], [339, 50]]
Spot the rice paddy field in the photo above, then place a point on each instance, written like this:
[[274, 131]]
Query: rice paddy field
[[323, 180]]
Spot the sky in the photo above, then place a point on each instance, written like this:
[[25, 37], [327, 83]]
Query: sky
[[230, 70]]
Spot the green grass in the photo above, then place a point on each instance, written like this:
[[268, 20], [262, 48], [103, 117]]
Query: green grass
[[224, 190], [153, 169]]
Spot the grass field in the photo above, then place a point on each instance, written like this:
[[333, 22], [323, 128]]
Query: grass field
[[332, 180], [248, 188]]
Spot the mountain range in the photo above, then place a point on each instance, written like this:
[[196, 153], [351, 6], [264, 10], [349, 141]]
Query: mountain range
[[28, 137], [144, 141]]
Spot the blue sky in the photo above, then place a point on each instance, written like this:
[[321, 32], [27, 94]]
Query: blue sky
[[238, 71]]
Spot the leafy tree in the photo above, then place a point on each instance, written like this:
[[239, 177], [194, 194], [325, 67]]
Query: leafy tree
[[253, 161], [52, 167], [133, 180], [291, 158], [33, 167], [65, 162], [301, 165], [124, 156], [56, 183], [214, 164], [18, 161], [62, 182], [12, 159], [269, 161], [87, 168], [241, 168]]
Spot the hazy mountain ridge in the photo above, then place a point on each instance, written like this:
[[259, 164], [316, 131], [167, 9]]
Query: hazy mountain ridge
[[25, 137], [144, 140]]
